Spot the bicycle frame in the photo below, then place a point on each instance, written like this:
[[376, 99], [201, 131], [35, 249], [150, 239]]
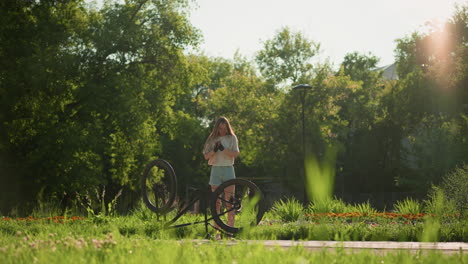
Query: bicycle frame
[[161, 200], [203, 196]]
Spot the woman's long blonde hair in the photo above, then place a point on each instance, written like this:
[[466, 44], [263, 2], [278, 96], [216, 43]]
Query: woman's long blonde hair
[[215, 132]]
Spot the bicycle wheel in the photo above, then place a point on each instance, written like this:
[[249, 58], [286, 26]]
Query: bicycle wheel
[[238, 201], [159, 186]]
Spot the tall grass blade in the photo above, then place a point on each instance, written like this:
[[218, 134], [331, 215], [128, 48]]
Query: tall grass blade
[[320, 176]]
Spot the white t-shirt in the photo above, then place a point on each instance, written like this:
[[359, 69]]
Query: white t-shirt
[[221, 158]]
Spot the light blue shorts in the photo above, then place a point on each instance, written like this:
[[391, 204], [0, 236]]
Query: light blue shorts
[[220, 174]]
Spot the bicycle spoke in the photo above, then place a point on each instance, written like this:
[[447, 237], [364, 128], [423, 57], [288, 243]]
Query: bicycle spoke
[[236, 205]]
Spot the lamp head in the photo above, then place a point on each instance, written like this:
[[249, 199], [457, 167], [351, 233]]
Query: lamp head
[[302, 87]]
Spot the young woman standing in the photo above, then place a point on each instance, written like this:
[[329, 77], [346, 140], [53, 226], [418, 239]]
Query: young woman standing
[[221, 148]]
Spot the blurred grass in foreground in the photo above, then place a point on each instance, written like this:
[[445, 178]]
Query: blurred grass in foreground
[[320, 177], [111, 248]]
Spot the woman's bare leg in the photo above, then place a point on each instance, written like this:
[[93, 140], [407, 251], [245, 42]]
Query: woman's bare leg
[[218, 203], [228, 192]]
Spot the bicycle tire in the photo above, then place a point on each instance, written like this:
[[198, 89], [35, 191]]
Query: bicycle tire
[[245, 192], [159, 186]]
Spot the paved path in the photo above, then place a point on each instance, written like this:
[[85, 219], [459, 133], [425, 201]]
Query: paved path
[[379, 246], [451, 247]]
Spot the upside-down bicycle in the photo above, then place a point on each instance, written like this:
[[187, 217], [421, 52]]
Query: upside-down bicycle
[[237, 199]]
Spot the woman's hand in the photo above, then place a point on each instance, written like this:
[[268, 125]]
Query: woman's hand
[[231, 153], [209, 155], [218, 147]]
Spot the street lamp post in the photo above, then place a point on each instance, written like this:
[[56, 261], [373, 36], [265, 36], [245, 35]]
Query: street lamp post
[[304, 88]]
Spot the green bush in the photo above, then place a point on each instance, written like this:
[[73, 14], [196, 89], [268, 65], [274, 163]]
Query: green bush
[[438, 203], [408, 206], [329, 206], [364, 208], [288, 211], [456, 184]]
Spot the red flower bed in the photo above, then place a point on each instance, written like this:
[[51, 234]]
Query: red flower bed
[[382, 215], [55, 219]]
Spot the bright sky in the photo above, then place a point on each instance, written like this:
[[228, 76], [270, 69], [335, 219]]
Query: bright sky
[[340, 26]]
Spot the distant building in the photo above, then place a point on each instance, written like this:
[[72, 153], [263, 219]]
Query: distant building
[[389, 72]]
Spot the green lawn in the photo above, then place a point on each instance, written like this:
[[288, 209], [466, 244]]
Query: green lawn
[[139, 238]]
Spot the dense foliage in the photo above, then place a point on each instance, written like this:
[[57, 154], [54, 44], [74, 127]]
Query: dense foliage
[[88, 96]]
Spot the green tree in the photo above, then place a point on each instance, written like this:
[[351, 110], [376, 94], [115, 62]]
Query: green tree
[[367, 145], [287, 57], [36, 73], [431, 99], [88, 92]]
